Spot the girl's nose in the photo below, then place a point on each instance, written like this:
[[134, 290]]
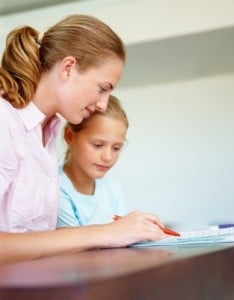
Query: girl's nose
[[107, 154]]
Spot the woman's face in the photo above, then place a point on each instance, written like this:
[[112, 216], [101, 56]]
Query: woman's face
[[81, 93]]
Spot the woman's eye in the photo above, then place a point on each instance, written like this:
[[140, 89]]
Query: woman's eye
[[102, 90]]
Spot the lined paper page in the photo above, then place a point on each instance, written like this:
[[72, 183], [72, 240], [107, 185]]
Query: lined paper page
[[207, 236]]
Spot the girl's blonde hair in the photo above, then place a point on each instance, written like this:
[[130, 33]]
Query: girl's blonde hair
[[114, 111], [28, 54]]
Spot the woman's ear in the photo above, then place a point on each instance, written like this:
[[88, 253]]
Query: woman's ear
[[68, 134], [66, 67]]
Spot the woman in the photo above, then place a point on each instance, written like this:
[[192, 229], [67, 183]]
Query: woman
[[69, 70]]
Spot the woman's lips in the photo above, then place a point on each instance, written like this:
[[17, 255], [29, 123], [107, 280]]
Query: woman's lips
[[87, 112]]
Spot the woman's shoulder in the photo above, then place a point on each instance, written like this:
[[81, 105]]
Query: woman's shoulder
[[7, 114], [4, 104], [6, 109]]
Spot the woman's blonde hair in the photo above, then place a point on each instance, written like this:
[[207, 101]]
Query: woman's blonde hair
[[28, 53], [114, 111]]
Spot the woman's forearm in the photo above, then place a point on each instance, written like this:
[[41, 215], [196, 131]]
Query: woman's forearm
[[134, 227]]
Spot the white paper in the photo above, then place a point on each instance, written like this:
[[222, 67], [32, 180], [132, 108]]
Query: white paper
[[209, 236]]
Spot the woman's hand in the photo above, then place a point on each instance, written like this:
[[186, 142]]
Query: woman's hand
[[134, 227]]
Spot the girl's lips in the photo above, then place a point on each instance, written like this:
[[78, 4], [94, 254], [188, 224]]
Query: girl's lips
[[102, 168]]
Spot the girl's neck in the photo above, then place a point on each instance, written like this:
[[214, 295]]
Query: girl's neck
[[83, 184]]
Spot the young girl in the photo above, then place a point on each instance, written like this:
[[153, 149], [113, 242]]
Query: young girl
[[93, 148], [70, 69]]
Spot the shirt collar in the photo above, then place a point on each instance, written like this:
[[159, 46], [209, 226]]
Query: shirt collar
[[32, 116]]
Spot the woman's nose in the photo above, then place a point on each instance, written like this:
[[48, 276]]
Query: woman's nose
[[101, 105]]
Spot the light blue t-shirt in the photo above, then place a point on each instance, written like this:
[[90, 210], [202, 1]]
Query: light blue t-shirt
[[76, 209]]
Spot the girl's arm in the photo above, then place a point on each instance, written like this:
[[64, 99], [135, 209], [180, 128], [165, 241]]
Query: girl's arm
[[135, 227]]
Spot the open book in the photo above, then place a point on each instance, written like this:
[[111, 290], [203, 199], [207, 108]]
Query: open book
[[207, 236]]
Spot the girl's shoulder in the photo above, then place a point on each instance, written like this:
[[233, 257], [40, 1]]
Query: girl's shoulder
[[109, 182]]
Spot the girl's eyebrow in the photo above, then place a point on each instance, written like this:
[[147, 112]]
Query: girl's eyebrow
[[104, 141]]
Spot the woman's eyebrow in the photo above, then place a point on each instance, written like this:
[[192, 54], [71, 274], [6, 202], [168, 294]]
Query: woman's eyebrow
[[109, 85]]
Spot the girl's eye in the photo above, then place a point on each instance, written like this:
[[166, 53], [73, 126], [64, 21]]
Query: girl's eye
[[97, 145], [117, 148]]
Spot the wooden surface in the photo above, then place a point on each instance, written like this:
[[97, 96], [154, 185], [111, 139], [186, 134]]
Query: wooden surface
[[128, 273]]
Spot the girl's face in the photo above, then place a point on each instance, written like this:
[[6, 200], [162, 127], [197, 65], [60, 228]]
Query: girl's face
[[81, 93], [95, 149]]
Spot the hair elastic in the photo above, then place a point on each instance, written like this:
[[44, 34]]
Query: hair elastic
[[40, 37]]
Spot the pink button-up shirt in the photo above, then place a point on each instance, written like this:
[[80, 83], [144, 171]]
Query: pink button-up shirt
[[29, 182]]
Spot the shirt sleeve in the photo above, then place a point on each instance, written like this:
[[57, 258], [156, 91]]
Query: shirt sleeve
[[66, 212], [8, 158]]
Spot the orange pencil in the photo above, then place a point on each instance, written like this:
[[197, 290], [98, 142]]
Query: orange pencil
[[116, 217]]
